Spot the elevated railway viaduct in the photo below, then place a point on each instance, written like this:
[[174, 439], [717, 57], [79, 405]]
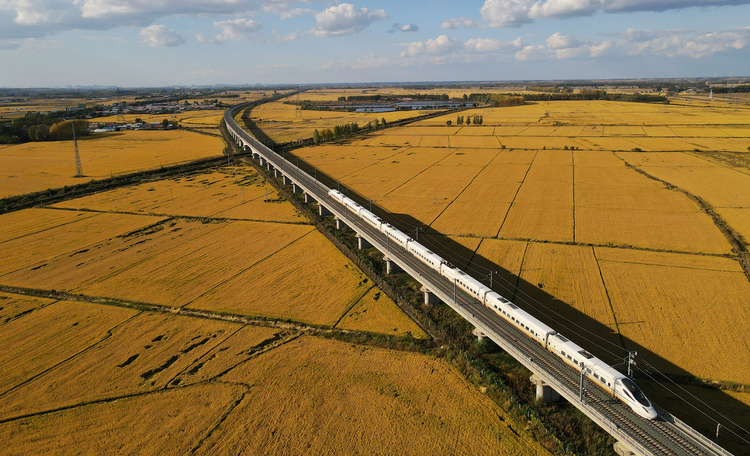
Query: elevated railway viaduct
[[665, 436]]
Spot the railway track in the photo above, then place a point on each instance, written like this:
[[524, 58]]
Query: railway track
[[654, 437]]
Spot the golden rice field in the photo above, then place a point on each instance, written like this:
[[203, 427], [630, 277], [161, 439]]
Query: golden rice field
[[366, 400], [526, 202], [126, 425], [14, 306], [37, 166], [376, 312], [237, 192]]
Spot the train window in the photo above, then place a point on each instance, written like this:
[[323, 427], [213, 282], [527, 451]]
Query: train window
[[563, 353], [575, 362], [596, 376], [586, 354]]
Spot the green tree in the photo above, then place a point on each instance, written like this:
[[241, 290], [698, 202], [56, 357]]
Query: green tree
[[449, 123], [382, 121], [376, 124], [316, 137], [468, 120], [39, 133], [165, 124]]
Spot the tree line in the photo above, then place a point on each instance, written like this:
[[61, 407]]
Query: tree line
[[346, 130]]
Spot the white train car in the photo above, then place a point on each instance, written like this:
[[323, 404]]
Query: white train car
[[395, 235], [427, 257], [372, 219], [519, 318], [465, 281], [603, 375]]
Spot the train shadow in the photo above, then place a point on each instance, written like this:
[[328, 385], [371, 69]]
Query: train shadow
[[675, 393]]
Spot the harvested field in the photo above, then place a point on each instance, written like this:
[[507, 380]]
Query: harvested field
[[37, 166], [531, 221], [663, 308], [366, 400], [125, 426], [143, 354], [69, 328], [307, 281], [376, 312]]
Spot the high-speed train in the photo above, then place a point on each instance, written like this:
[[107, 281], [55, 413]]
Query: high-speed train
[[596, 370]]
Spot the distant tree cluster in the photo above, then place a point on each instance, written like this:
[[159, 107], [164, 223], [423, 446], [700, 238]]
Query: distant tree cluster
[[496, 99], [477, 120], [345, 130], [63, 131]]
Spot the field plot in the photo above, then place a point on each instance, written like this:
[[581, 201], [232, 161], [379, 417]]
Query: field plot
[[13, 306], [308, 281], [504, 257], [37, 166], [548, 292], [194, 267], [39, 248], [701, 177], [196, 119], [677, 306], [69, 328], [143, 354], [376, 312], [236, 349], [366, 400], [213, 194], [125, 426], [31, 221]]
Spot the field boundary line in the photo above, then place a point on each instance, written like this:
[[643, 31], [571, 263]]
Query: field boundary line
[[275, 342], [219, 422], [520, 271], [609, 299], [245, 269], [573, 171], [736, 241], [179, 217], [412, 177], [464, 189], [354, 301], [516, 194], [47, 229]]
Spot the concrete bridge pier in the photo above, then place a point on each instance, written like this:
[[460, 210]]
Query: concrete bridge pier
[[285, 179], [309, 199], [478, 332], [544, 391], [323, 211], [623, 449], [362, 243], [256, 155], [263, 161], [390, 266], [296, 188], [340, 225], [269, 166], [430, 298]]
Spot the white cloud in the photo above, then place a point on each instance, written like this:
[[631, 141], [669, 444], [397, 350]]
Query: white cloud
[[403, 28], [486, 45], [159, 36], [515, 13], [653, 43], [371, 61], [560, 41], [441, 45], [237, 29], [458, 22], [506, 13], [296, 12], [345, 19]]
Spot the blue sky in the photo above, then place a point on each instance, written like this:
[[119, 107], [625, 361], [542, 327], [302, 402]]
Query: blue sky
[[182, 42]]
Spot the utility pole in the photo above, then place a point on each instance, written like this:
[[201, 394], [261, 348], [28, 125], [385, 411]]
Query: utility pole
[[583, 375], [417, 235], [718, 426], [631, 363], [79, 170], [454, 291]]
